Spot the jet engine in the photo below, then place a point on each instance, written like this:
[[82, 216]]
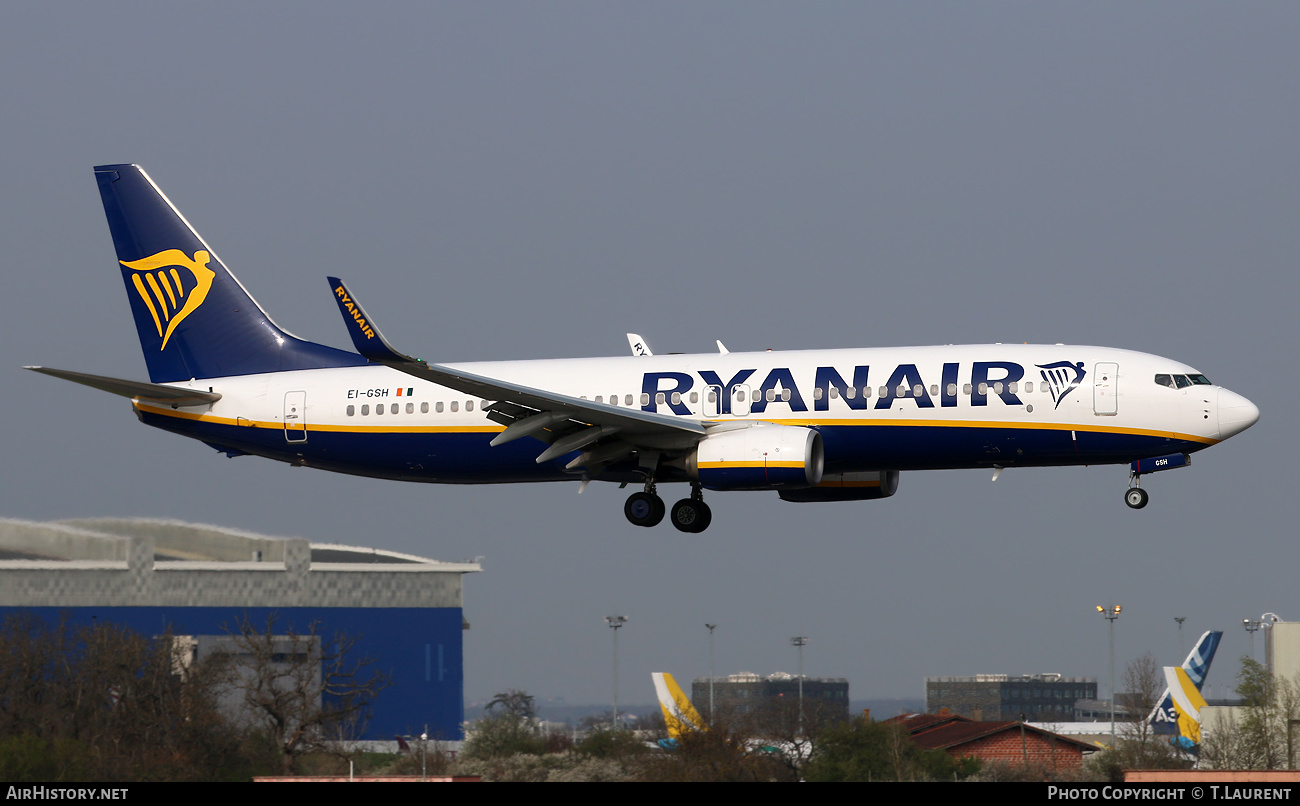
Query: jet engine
[[761, 457], [847, 487]]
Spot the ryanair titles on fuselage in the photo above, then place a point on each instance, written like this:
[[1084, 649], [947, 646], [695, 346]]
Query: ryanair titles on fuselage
[[979, 381]]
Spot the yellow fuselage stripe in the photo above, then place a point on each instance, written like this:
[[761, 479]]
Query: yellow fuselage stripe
[[492, 429]]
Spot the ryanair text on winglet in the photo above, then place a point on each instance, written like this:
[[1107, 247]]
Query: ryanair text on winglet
[[356, 314]]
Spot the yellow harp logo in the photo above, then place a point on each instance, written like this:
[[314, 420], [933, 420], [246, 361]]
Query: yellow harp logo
[[165, 292]]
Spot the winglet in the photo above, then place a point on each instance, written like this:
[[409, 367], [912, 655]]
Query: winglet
[[365, 335], [638, 345]]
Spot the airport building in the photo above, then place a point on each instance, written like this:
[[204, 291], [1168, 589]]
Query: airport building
[[748, 693], [1035, 697], [197, 583]]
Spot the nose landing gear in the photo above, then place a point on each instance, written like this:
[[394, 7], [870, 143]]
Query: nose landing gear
[[1136, 497]]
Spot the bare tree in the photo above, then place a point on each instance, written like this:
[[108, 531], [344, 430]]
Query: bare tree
[[516, 703], [299, 689]]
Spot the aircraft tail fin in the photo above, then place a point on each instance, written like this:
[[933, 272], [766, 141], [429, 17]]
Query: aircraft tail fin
[[193, 317], [1168, 715], [680, 716]]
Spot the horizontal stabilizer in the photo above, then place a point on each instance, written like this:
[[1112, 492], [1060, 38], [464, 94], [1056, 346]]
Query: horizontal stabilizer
[[170, 395]]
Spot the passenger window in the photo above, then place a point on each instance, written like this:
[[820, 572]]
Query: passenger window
[[850, 393], [713, 396], [600, 398], [866, 391], [469, 405], [676, 398], [627, 400], [613, 400], [695, 397], [984, 388], [352, 410], [393, 409], [379, 408], [884, 391], [918, 390], [424, 407], [817, 393], [645, 398], [365, 409], [785, 395], [455, 406], [902, 390], [740, 395], [952, 390], [659, 398], [934, 389], [965, 390], [410, 408], [438, 407], [997, 387], [835, 393], [1012, 387]]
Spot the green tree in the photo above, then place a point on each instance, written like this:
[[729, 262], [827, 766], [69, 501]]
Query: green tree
[[866, 750]]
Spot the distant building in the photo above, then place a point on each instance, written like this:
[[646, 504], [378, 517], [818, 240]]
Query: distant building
[[1038, 697], [745, 693], [1002, 741], [198, 582]]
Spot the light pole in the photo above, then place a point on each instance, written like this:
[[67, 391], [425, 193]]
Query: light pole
[[799, 641], [711, 627], [615, 622], [1180, 620], [1110, 614], [1252, 627]]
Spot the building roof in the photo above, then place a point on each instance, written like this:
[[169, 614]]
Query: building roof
[[149, 562], [947, 731]]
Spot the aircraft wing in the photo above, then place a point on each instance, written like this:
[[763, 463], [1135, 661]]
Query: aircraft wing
[[527, 411], [155, 392]]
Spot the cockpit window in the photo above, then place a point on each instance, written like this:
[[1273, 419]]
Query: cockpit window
[[1165, 380], [1182, 381], [1199, 380]]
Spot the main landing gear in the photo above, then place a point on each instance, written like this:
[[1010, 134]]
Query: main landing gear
[[690, 515]]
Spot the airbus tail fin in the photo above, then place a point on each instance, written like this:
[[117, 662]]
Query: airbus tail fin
[[1166, 718], [680, 716], [193, 317]]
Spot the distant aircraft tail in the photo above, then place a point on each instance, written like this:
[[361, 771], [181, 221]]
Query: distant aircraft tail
[[1174, 711], [193, 317], [680, 716]]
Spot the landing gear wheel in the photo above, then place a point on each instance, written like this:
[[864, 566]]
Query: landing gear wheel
[[644, 509], [1136, 497], [691, 515]]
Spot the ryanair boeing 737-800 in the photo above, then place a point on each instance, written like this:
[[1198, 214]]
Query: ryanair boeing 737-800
[[811, 425]]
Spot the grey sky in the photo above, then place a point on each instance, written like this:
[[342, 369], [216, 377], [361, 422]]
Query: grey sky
[[532, 180]]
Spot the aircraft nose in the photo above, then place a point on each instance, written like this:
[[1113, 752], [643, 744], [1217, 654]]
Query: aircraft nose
[[1236, 414]]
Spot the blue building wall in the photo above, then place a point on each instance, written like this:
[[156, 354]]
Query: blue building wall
[[420, 648]]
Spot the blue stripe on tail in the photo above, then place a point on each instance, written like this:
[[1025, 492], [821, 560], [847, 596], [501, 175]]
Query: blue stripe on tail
[[194, 318]]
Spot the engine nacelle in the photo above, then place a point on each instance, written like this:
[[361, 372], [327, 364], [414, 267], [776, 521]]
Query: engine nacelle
[[761, 457], [847, 487]]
